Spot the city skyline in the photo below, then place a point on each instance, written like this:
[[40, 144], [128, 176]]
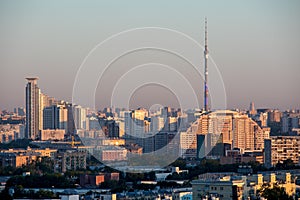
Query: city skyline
[[149, 100], [255, 52]]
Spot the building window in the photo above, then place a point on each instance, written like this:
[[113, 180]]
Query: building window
[[221, 188]]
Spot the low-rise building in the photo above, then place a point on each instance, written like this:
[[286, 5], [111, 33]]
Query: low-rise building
[[281, 179], [91, 179], [182, 196], [17, 159], [42, 152], [236, 157], [52, 134], [114, 176], [112, 153], [222, 188], [70, 160], [134, 149]]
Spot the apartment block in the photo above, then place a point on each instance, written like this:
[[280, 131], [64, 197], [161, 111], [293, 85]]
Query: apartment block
[[280, 148]]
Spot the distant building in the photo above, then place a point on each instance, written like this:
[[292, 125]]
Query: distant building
[[45, 152], [48, 134], [80, 117], [20, 111], [182, 196], [289, 121], [112, 153], [9, 132], [172, 124], [280, 148], [70, 160], [274, 116], [281, 179], [135, 123], [114, 176], [108, 196], [32, 108], [223, 188], [91, 180], [157, 123], [112, 128], [45, 101], [55, 117], [134, 149], [70, 123], [229, 127], [236, 157], [16, 159], [112, 141], [188, 146], [69, 194], [35, 104], [121, 125], [96, 179], [162, 140], [94, 123], [252, 110]]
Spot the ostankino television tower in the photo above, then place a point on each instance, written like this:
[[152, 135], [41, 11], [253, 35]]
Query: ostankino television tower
[[205, 70]]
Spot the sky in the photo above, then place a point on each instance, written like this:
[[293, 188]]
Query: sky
[[254, 44]]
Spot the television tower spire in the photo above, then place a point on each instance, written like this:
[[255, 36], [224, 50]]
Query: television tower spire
[[205, 70]]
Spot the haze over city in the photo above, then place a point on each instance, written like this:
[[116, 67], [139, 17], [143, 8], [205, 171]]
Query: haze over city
[[132, 100], [254, 44]]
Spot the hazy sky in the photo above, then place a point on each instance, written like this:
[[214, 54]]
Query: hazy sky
[[255, 45]]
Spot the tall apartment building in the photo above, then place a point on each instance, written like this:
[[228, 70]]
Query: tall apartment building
[[138, 117], [135, 123], [32, 109], [45, 101], [289, 121], [252, 110], [274, 116], [280, 148], [121, 125], [188, 143], [127, 122], [234, 128], [71, 123], [217, 123], [157, 123], [35, 104], [172, 123], [55, 117], [243, 133], [79, 117]]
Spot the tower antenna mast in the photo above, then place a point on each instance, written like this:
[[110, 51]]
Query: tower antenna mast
[[205, 70]]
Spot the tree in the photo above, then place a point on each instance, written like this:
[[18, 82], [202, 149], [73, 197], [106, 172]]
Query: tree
[[45, 181], [45, 194], [114, 186], [180, 162], [19, 143], [275, 193], [286, 164]]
